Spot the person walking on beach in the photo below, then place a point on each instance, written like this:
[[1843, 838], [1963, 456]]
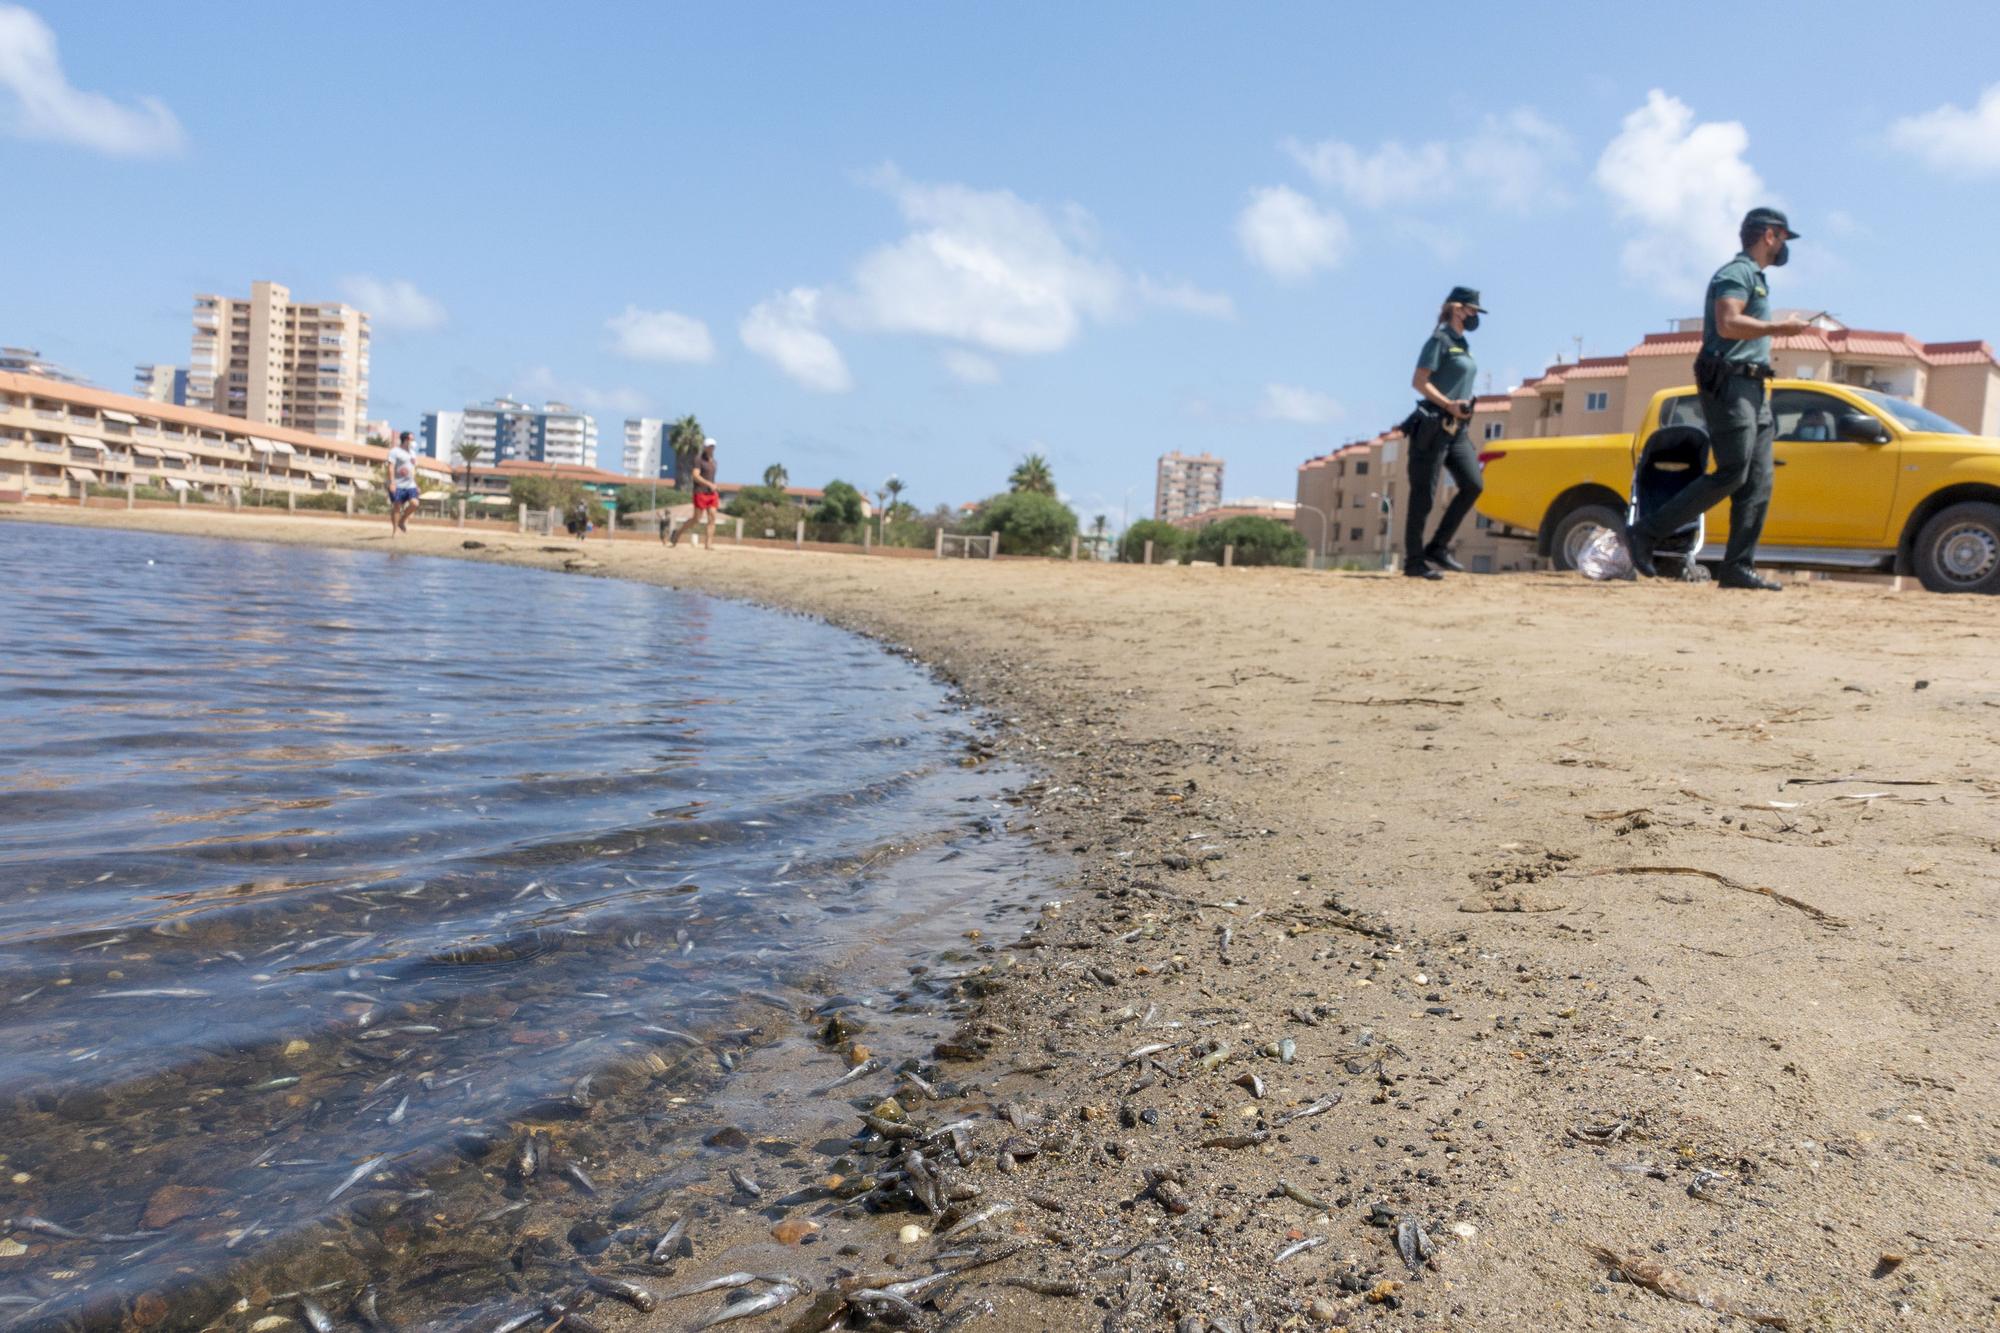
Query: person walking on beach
[[1439, 434], [402, 484], [707, 499], [1730, 375]]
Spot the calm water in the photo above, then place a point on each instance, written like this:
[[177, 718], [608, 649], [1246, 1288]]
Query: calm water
[[314, 860]]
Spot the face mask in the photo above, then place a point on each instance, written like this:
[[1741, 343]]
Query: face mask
[[1471, 323], [1784, 253]]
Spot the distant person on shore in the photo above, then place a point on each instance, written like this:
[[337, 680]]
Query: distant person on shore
[[403, 492], [1440, 437], [578, 519], [707, 499]]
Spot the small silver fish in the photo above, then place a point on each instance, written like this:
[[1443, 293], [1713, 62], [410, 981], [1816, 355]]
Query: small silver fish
[[743, 1182], [402, 1107], [356, 1176], [971, 1220], [714, 1284], [1298, 1247], [162, 993], [671, 1243], [770, 1300], [631, 1293], [316, 1319]]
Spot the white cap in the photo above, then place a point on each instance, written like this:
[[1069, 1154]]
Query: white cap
[[709, 441]]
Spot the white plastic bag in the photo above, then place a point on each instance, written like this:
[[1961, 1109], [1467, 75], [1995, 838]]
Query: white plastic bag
[[1604, 557]]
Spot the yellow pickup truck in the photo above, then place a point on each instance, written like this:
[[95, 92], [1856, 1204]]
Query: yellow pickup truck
[[1864, 481]]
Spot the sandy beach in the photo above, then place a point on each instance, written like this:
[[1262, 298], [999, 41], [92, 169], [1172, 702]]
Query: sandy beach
[[1544, 953]]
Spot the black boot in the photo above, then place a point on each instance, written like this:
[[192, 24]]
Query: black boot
[[1640, 547], [1442, 559]]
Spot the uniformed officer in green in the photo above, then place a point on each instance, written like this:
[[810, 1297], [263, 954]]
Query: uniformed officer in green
[[1730, 375], [1439, 437]]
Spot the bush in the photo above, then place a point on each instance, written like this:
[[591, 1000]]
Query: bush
[[839, 506], [1029, 523], [1258, 541], [1170, 544], [759, 497], [557, 494], [640, 499]]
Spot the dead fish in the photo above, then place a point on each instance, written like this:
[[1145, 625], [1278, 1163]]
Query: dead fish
[[365, 1310], [1413, 1243], [273, 1084], [1661, 1280], [917, 1081], [529, 1159], [1320, 1107], [402, 1107], [515, 1322], [164, 993], [579, 1179], [631, 1293], [971, 1220], [316, 1319], [770, 1300], [356, 1176], [1250, 1140], [673, 1244], [744, 1184], [1298, 1247], [862, 1070], [1042, 1286], [1253, 1084], [41, 1226], [714, 1284], [1299, 1196]]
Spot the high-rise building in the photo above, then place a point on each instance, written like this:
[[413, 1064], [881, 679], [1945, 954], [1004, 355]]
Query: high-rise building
[[1186, 484], [644, 441], [440, 434], [28, 361], [280, 362], [506, 430], [162, 384]]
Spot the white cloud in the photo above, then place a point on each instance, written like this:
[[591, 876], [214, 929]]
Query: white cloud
[[970, 367], [541, 382], [982, 267], [1290, 236], [785, 330], [1512, 160], [394, 304], [41, 104], [1392, 174], [1686, 185], [1951, 139], [1307, 407], [660, 335], [1186, 296]]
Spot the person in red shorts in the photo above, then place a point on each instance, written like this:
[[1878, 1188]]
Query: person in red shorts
[[707, 499]]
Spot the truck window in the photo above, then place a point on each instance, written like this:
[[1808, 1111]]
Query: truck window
[[1802, 414], [1684, 410]]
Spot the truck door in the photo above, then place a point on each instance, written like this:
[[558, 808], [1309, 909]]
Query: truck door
[[1828, 491]]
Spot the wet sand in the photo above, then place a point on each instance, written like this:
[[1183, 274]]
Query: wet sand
[[1631, 926]]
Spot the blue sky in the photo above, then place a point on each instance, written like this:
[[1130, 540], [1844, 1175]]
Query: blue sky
[[864, 240]]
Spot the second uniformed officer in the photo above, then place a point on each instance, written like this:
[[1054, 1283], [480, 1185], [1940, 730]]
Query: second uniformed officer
[[1730, 375], [1438, 432]]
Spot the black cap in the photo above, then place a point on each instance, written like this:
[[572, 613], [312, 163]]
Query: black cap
[[404, 436], [1759, 218], [1465, 296]]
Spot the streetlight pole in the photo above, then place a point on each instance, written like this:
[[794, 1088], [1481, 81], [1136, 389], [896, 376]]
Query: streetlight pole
[[1322, 527]]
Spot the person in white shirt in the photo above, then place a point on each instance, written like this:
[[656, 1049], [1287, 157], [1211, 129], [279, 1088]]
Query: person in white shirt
[[402, 484]]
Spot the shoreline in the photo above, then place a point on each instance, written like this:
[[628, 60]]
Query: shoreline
[[1361, 826]]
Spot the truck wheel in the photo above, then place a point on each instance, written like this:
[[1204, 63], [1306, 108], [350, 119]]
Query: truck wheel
[[1959, 549], [1574, 529]]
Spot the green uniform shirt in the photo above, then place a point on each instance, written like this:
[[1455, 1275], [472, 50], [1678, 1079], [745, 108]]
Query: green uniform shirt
[[1450, 363], [1740, 279]]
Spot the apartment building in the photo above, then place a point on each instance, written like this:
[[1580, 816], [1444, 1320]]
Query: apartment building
[[439, 434], [1186, 484], [58, 439], [29, 361], [279, 362], [1957, 380], [645, 447], [508, 430], [161, 384], [1350, 502]]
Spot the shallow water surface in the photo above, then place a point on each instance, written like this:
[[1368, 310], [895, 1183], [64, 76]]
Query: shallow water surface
[[314, 862]]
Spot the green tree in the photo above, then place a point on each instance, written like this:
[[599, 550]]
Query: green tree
[[755, 497], [1170, 543], [468, 454], [685, 437], [1029, 523], [775, 476], [1258, 541], [642, 499], [1097, 535], [840, 506], [1032, 476], [554, 493]]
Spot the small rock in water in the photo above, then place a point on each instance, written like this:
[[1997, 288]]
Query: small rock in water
[[793, 1230], [911, 1234]]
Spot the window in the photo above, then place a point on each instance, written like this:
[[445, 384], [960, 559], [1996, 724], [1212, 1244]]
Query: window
[[1482, 564], [1802, 414], [1354, 534], [1361, 468], [1682, 411], [1495, 430], [1914, 417], [1481, 523], [1597, 402]]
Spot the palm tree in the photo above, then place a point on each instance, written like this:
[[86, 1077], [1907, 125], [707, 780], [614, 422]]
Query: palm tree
[[775, 476], [1033, 475], [894, 486], [684, 437], [1097, 533], [468, 453]]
